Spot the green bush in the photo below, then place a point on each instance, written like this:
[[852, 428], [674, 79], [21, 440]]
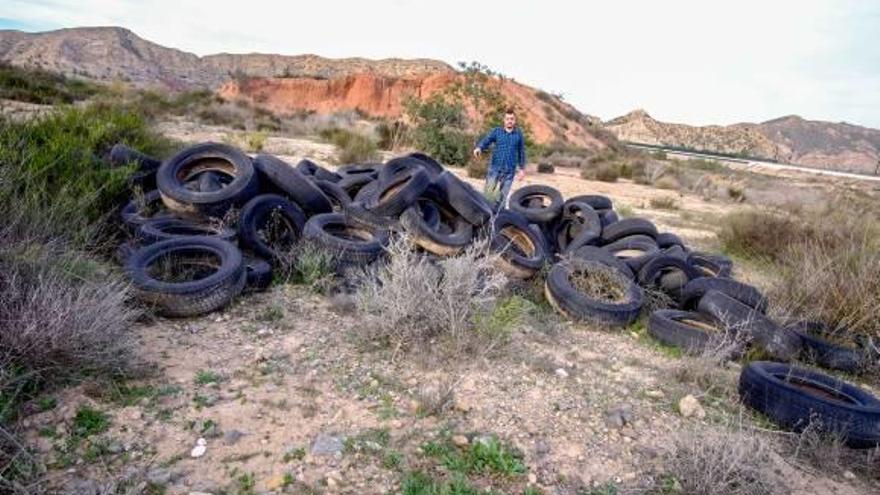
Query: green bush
[[353, 147], [440, 129], [42, 87]]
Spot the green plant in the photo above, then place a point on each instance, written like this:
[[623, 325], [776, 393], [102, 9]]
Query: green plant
[[89, 421], [206, 377], [352, 147], [483, 456], [310, 265], [295, 454], [439, 128], [43, 87], [256, 141], [602, 171]]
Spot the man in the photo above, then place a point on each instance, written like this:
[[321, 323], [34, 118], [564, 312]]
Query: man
[[508, 158]]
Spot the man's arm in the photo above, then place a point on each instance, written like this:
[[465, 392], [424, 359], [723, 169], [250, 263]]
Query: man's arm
[[521, 156], [484, 143]]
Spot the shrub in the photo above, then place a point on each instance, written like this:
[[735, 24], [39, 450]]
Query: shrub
[[602, 171], [477, 169], [42, 87], [664, 203], [352, 147], [256, 141], [546, 168], [667, 182], [411, 299], [440, 128]]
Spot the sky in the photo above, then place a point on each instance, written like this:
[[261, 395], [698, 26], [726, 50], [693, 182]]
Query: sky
[[690, 61]]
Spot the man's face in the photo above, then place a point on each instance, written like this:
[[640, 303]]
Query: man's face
[[509, 121]]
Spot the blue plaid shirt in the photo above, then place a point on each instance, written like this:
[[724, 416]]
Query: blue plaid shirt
[[509, 152]]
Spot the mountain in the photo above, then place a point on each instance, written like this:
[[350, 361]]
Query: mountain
[[791, 139], [279, 83]]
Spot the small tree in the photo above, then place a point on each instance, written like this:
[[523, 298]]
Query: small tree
[[439, 128]]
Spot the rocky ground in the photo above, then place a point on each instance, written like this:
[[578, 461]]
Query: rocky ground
[[278, 394]]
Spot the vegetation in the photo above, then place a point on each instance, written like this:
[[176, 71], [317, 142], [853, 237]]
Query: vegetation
[[353, 147], [43, 87]]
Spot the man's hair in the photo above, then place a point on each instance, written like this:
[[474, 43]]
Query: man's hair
[[509, 111]]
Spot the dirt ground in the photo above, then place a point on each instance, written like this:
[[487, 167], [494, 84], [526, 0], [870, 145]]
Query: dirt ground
[[286, 398]]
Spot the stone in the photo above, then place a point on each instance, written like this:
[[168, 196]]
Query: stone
[[689, 406], [561, 373], [619, 416], [460, 440], [655, 394], [232, 437], [200, 448], [159, 477], [849, 475], [533, 478], [326, 444]]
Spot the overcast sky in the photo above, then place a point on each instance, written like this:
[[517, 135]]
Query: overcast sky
[[691, 61]]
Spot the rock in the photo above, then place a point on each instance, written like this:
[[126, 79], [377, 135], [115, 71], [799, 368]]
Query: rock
[[159, 477], [849, 475], [541, 447], [326, 444], [655, 394], [232, 437], [619, 416], [533, 478], [200, 448], [689, 406], [462, 405], [460, 440], [561, 373]]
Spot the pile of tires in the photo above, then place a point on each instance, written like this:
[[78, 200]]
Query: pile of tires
[[212, 222]]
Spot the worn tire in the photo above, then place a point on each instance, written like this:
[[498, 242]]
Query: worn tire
[[796, 397], [165, 228], [432, 166], [521, 250], [398, 193], [829, 355], [608, 217], [429, 237], [652, 272], [315, 171], [401, 164], [601, 255], [634, 250], [744, 293], [549, 210], [667, 239], [171, 178], [133, 215], [596, 201], [351, 243], [778, 342], [291, 182], [562, 294], [339, 199], [190, 298], [712, 265], [628, 227], [253, 217], [463, 198], [258, 274], [687, 330], [121, 155]]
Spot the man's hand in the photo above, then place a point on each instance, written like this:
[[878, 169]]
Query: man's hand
[[521, 174], [478, 153]]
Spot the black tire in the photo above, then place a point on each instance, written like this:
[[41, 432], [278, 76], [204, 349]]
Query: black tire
[[601, 255], [596, 201], [667, 239], [628, 227], [399, 165], [562, 294], [687, 330], [339, 199], [165, 228], [712, 265], [608, 217], [173, 174], [370, 170], [121, 155], [253, 218], [363, 191], [315, 171], [194, 297], [521, 250], [351, 243], [124, 251], [432, 166], [744, 293], [463, 198], [259, 274], [585, 220], [293, 183], [796, 397], [676, 252], [429, 237], [357, 213], [134, 213], [549, 210], [398, 193], [209, 182], [652, 271], [634, 250], [852, 359], [780, 343]]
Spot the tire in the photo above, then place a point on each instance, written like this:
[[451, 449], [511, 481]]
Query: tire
[[584, 218], [562, 294], [370, 170], [687, 330], [357, 213], [121, 155], [520, 248], [601, 255], [652, 271], [542, 214], [429, 237], [189, 298], [401, 164], [744, 293], [675, 251], [291, 182], [163, 229], [634, 250], [172, 176], [608, 217], [258, 274], [628, 227], [312, 169], [667, 239], [133, 215], [826, 354], [712, 265], [339, 199], [209, 182], [432, 166], [398, 193], [796, 397], [349, 242], [361, 191], [464, 199], [124, 251], [780, 343], [253, 218], [596, 201]]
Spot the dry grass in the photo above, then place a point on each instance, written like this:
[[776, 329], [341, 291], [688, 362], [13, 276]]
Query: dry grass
[[664, 203], [413, 301], [814, 449], [601, 283], [603, 171], [717, 461]]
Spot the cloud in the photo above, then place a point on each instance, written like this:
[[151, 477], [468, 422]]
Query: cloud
[[694, 61]]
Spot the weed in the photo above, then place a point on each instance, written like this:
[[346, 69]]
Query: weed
[[294, 454], [310, 265], [42, 87], [664, 203], [89, 421], [206, 377], [352, 147], [245, 484], [256, 141], [483, 456]]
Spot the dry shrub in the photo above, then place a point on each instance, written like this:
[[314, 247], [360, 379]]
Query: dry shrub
[[711, 461], [603, 171], [760, 234], [546, 168], [664, 203], [667, 182], [814, 448], [477, 169], [601, 282], [412, 299]]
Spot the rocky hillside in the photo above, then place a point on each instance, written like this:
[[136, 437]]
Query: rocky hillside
[[791, 139], [279, 83]]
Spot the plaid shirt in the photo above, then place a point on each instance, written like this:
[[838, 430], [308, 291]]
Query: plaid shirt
[[509, 152]]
